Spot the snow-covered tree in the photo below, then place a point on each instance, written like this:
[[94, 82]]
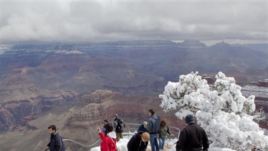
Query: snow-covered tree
[[221, 109]]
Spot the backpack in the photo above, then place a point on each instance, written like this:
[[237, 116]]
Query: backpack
[[119, 125]]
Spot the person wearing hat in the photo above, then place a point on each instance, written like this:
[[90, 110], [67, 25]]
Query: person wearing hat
[[143, 127], [138, 142], [192, 137]]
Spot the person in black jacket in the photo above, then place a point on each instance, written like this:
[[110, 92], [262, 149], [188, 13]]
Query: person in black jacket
[[138, 142], [143, 127], [192, 137], [55, 143], [119, 125]]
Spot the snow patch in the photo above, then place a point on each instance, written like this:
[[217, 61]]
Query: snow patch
[[4, 48], [67, 52]]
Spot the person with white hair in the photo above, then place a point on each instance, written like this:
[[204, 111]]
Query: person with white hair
[[138, 142]]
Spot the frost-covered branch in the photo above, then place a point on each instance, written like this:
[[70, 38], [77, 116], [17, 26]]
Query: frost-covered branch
[[221, 109]]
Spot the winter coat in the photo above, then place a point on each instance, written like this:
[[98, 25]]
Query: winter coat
[[107, 143], [136, 144], [56, 143], [164, 132], [142, 128], [154, 124], [192, 138], [118, 125]]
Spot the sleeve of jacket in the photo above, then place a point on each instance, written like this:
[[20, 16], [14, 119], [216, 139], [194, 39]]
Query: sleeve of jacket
[[101, 135], [105, 144], [132, 144], [168, 131], [205, 141], [144, 146], [150, 125], [181, 142], [115, 123], [112, 144], [58, 143]]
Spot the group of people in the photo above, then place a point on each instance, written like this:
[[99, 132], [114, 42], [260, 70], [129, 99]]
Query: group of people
[[108, 136], [154, 130]]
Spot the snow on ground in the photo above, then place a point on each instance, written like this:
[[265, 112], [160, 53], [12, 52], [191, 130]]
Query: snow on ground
[[169, 146], [67, 52], [255, 90], [122, 145]]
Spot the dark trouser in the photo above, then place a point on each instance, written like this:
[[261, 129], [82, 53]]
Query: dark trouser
[[195, 149], [154, 143]]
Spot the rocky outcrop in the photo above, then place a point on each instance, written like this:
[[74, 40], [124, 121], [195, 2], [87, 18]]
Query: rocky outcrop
[[104, 104], [20, 112], [6, 119]]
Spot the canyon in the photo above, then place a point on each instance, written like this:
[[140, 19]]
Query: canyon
[[77, 86]]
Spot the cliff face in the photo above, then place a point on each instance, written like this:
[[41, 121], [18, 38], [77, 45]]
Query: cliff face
[[79, 121], [6, 119], [18, 113], [89, 107], [104, 104]]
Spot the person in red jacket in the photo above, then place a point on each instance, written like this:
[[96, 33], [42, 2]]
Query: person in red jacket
[[108, 138]]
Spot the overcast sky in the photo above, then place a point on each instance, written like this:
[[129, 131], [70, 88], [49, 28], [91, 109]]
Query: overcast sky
[[102, 20]]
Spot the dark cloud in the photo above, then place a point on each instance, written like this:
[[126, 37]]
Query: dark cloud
[[97, 20]]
